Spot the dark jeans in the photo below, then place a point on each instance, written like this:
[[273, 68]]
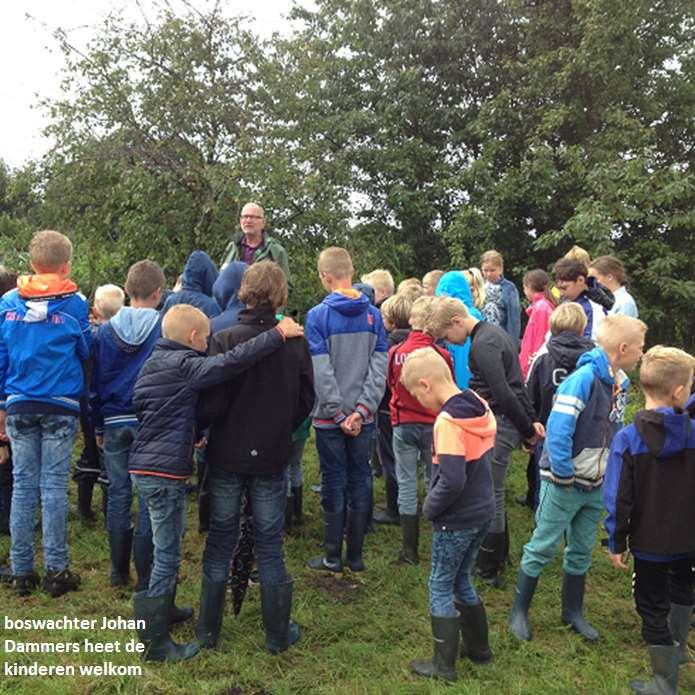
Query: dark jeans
[[165, 500], [384, 444], [41, 447], [267, 494], [507, 439], [656, 585], [346, 477], [117, 443]]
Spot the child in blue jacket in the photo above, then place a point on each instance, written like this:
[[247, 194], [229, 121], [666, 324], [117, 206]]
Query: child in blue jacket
[[648, 494], [587, 412], [165, 398], [44, 339]]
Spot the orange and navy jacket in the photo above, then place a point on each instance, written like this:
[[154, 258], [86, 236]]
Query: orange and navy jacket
[[460, 495], [44, 338]]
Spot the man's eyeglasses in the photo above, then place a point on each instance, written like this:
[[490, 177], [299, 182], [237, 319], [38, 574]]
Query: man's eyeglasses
[[251, 217]]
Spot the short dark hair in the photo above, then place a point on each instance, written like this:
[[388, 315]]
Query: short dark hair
[[144, 279], [264, 286], [569, 270]]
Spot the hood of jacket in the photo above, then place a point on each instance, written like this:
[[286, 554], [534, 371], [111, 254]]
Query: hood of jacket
[[44, 286], [599, 293], [601, 367], [567, 347], [665, 431], [454, 284], [134, 326], [349, 302], [227, 284], [199, 273], [471, 414], [365, 289]]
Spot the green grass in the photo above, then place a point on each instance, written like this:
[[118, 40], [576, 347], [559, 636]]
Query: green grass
[[359, 631]]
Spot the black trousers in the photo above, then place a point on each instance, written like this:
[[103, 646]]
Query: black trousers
[[656, 585]]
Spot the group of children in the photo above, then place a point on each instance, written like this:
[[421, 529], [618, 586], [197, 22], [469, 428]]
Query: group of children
[[437, 373]]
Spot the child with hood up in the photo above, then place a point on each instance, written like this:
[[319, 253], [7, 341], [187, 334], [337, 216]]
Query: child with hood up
[[225, 291], [199, 275]]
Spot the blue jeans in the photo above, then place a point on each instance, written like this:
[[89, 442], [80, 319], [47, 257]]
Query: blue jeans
[[507, 439], [453, 557], [117, 443], [41, 451], [267, 494], [411, 442], [560, 510], [346, 476], [165, 500]]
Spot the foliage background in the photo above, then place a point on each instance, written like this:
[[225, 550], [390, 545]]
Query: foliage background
[[415, 132]]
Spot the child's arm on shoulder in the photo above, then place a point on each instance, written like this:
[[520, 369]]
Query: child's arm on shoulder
[[212, 401], [618, 497]]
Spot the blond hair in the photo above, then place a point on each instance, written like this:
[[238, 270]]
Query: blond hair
[[336, 262], [419, 312], [396, 310], [108, 300], [577, 253], [442, 311], [568, 316], [181, 320], [425, 363], [476, 282], [664, 369], [408, 283], [432, 278], [494, 257], [381, 280], [617, 329], [48, 250]]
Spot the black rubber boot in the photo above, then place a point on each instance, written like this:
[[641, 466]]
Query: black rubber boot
[[85, 489], [179, 615], [679, 624], [332, 561], [155, 635], [298, 505], [6, 576], [281, 631], [389, 515], [445, 632], [57, 583], [573, 606], [212, 597], [143, 553], [5, 498], [518, 618], [410, 527], [475, 643], [665, 670], [289, 513], [356, 528], [120, 544], [491, 559]]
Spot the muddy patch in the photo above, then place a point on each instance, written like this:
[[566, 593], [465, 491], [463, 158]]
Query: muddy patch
[[340, 588]]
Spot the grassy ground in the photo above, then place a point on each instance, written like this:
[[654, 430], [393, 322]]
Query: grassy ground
[[359, 630]]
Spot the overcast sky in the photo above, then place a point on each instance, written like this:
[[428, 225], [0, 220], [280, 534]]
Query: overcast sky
[[30, 61]]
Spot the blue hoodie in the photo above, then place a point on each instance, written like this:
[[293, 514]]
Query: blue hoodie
[[225, 291], [454, 284], [588, 410], [121, 347], [348, 349], [199, 275]]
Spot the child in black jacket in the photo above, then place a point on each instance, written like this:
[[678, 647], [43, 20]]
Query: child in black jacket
[[252, 419], [160, 463], [648, 493]]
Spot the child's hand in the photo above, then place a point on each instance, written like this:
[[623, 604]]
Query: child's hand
[[352, 425], [4, 454], [618, 560], [3, 434], [290, 328], [202, 443]]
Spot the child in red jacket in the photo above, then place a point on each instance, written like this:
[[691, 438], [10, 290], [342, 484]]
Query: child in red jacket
[[412, 428]]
